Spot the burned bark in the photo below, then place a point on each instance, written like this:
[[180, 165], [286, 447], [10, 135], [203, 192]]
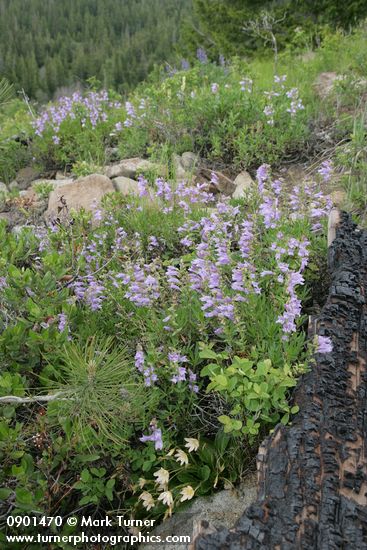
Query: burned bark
[[312, 475]]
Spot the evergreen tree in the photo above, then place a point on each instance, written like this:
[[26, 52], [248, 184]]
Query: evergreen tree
[[218, 25], [57, 43]]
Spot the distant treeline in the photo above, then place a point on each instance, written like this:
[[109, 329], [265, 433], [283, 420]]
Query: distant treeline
[[240, 27], [46, 45]]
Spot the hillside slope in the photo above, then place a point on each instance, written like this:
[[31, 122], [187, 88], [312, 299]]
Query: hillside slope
[[48, 44]]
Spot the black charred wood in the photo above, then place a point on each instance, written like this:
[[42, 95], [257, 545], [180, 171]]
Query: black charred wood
[[312, 475]]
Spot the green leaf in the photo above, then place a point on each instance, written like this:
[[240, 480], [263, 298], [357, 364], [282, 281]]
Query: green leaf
[[204, 472], [86, 500], [224, 419], [23, 496], [85, 476], [207, 353], [209, 370], [4, 493], [221, 380], [236, 425]]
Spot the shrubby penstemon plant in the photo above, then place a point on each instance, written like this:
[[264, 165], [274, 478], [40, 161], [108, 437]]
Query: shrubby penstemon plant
[[215, 110], [162, 278]]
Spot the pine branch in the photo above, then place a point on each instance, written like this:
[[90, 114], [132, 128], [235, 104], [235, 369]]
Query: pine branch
[[36, 399]]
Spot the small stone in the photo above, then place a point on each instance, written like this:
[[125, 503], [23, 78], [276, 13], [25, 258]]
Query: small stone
[[243, 183], [131, 168], [25, 176], [225, 185], [3, 188], [86, 192], [180, 171], [206, 514], [126, 186], [13, 186], [189, 161]]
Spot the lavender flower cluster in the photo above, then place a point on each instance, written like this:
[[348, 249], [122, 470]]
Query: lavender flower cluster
[[231, 256], [91, 109]]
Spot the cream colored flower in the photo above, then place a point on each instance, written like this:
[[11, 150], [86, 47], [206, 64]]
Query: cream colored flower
[[181, 457], [187, 493], [162, 476], [192, 444], [170, 453], [141, 482], [166, 498], [148, 500]]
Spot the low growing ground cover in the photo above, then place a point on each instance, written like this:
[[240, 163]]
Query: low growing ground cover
[[167, 330]]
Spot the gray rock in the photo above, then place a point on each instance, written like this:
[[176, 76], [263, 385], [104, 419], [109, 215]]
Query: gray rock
[[223, 508], [25, 176], [126, 185], [130, 168], [3, 188], [225, 185], [243, 183], [189, 161], [84, 193], [13, 186], [180, 172]]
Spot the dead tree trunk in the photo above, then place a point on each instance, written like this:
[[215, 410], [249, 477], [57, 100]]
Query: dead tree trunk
[[312, 475]]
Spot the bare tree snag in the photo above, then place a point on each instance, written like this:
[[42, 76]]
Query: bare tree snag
[[312, 475]]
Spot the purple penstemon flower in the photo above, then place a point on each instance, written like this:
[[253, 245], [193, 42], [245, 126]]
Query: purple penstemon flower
[[202, 56], [180, 376], [214, 178], [155, 436], [324, 344], [270, 211], [293, 306], [142, 186], [149, 376], [143, 287], [192, 379], [176, 357], [246, 85], [326, 170], [262, 176], [173, 279], [147, 371], [63, 321], [94, 294], [139, 359]]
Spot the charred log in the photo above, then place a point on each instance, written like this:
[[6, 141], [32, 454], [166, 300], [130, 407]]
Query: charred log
[[312, 475]]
